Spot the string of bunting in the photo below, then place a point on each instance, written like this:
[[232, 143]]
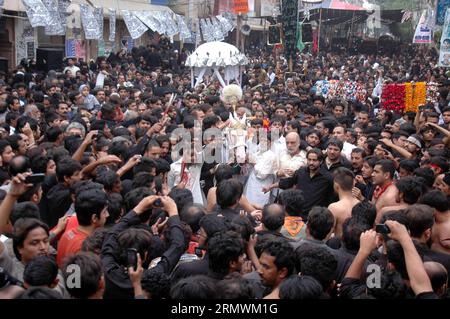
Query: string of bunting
[[52, 14]]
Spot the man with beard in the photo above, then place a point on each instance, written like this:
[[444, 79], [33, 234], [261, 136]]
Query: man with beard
[[357, 158], [413, 144], [315, 181], [289, 161], [276, 264], [335, 159], [385, 193], [421, 221], [340, 132]]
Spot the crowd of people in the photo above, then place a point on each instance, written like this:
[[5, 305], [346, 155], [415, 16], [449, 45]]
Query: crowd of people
[[335, 198]]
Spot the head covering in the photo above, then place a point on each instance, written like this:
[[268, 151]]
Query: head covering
[[400, 121], [415, 140], [82, 86]]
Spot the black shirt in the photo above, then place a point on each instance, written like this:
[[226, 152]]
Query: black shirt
[[192, 268], [431, 255], [118, 283], [317, 190], [343, 162], [59, 201]]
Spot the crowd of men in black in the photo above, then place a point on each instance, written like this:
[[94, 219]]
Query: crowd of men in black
[[95, 205]]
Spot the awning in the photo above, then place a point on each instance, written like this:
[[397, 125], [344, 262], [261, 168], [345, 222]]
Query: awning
[[334, 12], [334, 5], [17, 5]]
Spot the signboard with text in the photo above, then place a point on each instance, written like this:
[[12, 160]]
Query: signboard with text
[[240, 6]]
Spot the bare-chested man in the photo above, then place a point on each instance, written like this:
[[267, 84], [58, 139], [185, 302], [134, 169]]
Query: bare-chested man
[[440, 233], [410, 190], [385, 193], [341, 210]]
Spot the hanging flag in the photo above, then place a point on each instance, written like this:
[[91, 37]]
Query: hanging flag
[[98, 14], [444, 53], [37, 13], [315, 43], [185, 33], [90, 23], [62, 9], [423, 34], [54, 25], [134, 25], [441, 9], [300, 44], [112, 24], [148, 19]]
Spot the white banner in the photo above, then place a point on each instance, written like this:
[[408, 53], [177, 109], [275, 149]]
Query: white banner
[[423, 34], [112, 24], [444, 54], [90, 22], [147, 18], [134, 25], [37, 13], [270, 8], [98, 14]]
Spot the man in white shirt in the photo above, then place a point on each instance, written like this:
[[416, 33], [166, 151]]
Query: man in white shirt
[[276, 129], [340, 132], [291, 159], [271, 75], [71, 67], [190, 178]]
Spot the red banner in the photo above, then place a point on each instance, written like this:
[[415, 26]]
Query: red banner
[[240, 6]]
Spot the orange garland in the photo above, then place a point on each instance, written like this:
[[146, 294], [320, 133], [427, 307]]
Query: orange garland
[[420, 95], [409, 107]]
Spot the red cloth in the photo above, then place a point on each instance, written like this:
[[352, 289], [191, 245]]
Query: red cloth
[[72, 222], [380, 190], [69, 244], [315, 43], [193, 244], [118, 118]]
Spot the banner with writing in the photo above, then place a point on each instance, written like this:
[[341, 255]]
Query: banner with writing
[[423, 34], [112, 24], [441, 8], [240, 6], [444, 53]]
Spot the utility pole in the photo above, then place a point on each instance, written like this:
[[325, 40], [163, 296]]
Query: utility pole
[[238, 30]]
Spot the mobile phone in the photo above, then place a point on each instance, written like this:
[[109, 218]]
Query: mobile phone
[[158, 203], [382, 229], [35, 178], [132, 258]]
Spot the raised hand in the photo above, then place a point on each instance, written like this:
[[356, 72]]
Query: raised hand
[[18, 186]]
